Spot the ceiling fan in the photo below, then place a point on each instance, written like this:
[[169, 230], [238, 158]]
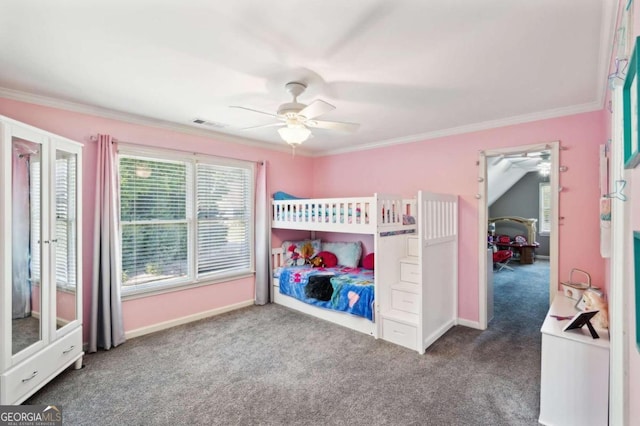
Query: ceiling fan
[[296, 118]]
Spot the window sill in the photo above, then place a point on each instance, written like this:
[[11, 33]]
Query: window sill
[[170, 288], [544, 234]]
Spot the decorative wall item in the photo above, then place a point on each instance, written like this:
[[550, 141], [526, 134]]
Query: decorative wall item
[[630, 107], [604, 168]]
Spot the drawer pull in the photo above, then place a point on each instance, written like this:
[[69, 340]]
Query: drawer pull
[[34, 374], [68, 350]]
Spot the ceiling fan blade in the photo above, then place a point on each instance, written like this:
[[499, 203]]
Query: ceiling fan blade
[[258, 111], [333, 125], [315, 109], [263, 126]]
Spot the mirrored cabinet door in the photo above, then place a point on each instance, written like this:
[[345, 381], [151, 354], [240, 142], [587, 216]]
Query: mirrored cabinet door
[[65, 241], [26, 200]]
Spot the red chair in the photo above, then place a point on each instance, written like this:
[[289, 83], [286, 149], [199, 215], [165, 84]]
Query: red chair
[[505, 239], [500, 260]]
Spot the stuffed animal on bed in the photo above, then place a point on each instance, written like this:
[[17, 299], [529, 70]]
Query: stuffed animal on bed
[[317, 262], [306, 251], [299, 255], [324, 259]]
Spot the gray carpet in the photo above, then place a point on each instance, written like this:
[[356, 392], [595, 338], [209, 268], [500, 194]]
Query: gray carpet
[[25, 332], [271, 365]]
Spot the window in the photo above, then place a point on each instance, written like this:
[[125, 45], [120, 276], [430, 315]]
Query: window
[[183, 221], [65, 219], [544, 220]]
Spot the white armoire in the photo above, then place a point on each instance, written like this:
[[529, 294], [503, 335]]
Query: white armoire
[[40, 258]]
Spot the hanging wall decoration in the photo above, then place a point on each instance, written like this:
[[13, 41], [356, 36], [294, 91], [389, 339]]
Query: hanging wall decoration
[[630, 96]]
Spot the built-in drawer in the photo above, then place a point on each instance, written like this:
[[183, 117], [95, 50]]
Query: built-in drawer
[[399, 333], [404, 301], [32, 373], [409, 272], [412, 246]]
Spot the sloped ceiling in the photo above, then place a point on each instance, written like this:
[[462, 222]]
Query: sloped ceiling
[[503, 173], [405, 70]]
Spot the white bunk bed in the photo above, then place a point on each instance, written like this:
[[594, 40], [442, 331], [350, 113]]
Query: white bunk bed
[[415, 263]]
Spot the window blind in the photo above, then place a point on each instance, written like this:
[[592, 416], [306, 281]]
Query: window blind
[[183, 221], [35, 208], [545, 208], [223, 218], [65, 246], [153, 212], [65, 265]]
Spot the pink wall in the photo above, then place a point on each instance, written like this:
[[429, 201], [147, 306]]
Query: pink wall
[[65, 305], [80, 127], [448, 165], [441, 165]]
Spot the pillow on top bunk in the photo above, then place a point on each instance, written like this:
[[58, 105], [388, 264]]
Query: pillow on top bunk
[[348, 254], [298, 252], [280, 196]]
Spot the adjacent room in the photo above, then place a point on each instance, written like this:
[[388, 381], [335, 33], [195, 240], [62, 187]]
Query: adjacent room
[[367, 212], [519, 211]]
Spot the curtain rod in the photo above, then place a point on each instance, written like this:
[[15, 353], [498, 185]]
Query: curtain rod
[[114, 140]]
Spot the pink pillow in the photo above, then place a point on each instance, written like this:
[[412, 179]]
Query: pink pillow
[[368, 261], [329, 259]]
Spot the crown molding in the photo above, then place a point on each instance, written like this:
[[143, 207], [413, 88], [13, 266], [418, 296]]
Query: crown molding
[[469, 128], [31, 98], [611, 11], [182, 128]]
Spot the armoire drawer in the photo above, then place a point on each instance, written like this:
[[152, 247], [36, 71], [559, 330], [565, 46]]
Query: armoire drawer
[[66, 349], [30, 374], [24, 378], [409, 272], [399, 333], [404, 301]]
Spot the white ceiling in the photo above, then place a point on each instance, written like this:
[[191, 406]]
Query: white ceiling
[[405, 70]]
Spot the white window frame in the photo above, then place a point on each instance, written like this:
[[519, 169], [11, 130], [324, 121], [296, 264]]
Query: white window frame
[[544, 228], [192, 279]]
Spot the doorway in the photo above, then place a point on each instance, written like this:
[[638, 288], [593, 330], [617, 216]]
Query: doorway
[[487, 159]]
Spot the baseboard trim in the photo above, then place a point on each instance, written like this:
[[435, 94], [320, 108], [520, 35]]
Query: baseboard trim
[[470, 324], [185, 320], [541, 256]]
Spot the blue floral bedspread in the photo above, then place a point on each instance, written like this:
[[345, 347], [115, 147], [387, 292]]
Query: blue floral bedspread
[[353, 289]]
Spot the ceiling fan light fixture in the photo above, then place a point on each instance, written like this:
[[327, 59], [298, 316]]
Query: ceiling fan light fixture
[[294, 135]]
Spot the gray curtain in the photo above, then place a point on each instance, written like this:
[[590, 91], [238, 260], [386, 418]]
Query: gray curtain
[[20, 236], [107, 329], [263, 237]]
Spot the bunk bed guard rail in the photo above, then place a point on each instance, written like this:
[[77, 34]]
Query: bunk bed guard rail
[[357, 214]]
